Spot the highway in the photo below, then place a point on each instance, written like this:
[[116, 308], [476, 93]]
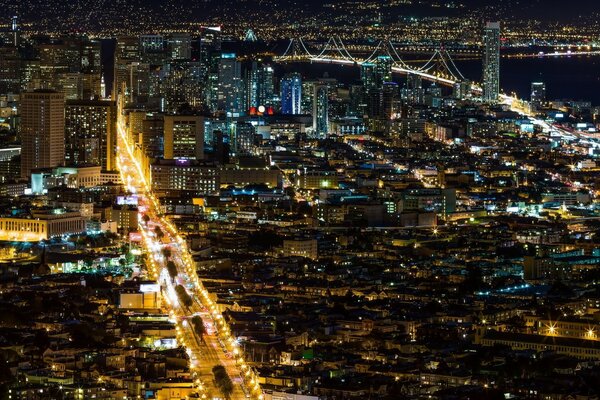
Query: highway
[[216, 346]]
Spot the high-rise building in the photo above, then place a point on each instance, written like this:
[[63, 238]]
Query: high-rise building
[[244, 137], [180, 46], [368, 76], [260, 89], [153, 135], [308, 88], [229, 84], [91, 133], [152, 49], [126, 52], [209, 54], [413, 91], [383, 70], [320, 110], [538, 93], [291, 94], [491, 62], [10, 70], [180, 85], [14, 27], [383, 104], [183, 137], [42, 130]]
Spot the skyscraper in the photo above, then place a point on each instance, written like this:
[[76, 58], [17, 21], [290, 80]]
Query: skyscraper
[[183, 137], [383, 69], [229, 84], [91, 133], [291, 94], [320, 110], [538, 93], [42, 130], [14, 27], [367, 76], [413, 91], [260, 89], [244, 137], [491, 62], [180, 46]]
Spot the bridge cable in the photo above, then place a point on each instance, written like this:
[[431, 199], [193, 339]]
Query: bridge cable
[[305, 49], [345, 49], [455, 67], [399, 59], [324, 48], [374, 52], [285, 54]]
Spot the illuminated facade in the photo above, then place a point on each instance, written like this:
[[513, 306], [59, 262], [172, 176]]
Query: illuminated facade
[[91, 133], [42, 130], [320, 111], [183, 137], [44, 225], [291, 94], [185, 175], [491, 62]]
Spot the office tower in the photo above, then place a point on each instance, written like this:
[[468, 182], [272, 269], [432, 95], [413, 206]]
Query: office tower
[[153, 135], [209, 55], [389, 100], [126, 52], [357, 106], [80, 86], [229, 85], [383, 70], [383, 102], [180, 46], [91, 133], [320, 110], [308, 88], [14, 27], [135, 125], [139, 82], [538, 93], [42, 130], [244, 137], [152, 49], [491, 62], [368, 76], [180, 85], [10, 70], [461, 90], [291, 94], [183, 137], [90, 56], [260, 87], [220, 149], [57, 59], [413, 91]]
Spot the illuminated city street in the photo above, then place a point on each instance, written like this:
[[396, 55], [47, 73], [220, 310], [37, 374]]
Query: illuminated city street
[[216, 347]]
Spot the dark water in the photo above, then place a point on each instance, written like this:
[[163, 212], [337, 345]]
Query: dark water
[[576, 78]]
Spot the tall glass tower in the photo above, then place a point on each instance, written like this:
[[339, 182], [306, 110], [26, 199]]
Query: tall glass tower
[[491, 62], [291, 94], [320, 111]]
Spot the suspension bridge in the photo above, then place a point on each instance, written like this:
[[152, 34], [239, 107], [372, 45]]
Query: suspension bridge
[[440, 68]]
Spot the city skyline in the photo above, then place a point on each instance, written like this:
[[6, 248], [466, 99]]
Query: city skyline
[[269, 200]]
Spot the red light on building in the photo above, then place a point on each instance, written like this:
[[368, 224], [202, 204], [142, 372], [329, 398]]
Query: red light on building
[[252, 111]]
